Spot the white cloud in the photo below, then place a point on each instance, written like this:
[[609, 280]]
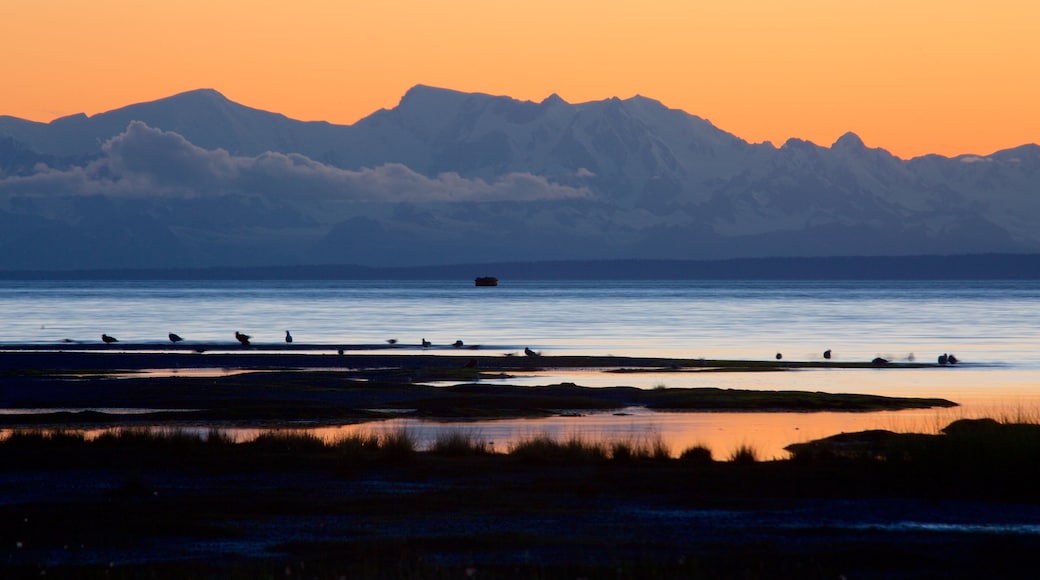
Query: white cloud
[[147, 162]]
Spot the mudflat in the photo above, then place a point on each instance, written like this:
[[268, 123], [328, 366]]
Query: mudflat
[[296, 384]]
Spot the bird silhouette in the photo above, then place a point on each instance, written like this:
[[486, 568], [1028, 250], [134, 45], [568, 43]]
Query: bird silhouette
[[426, 343], [175, 338], [779, 356], [288, 337], [827, 354], [529, 352], [943, 358], [391, 341], [457, 344], [108, 339], [952, 360], [242, 338]]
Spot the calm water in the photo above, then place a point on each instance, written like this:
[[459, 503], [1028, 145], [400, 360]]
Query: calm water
[[994, 327]]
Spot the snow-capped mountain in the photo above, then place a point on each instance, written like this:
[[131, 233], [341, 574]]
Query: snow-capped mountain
[[196, 179]]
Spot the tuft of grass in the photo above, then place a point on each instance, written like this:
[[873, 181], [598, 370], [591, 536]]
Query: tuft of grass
[[456, 443], [288, 441], [219, 438], [169, 440], [398, 445], [545, 448], [697, 454], [652, 448], [357, 445], [744, 454]]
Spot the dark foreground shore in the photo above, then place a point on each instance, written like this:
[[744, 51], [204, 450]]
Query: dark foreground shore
[[135, 503]]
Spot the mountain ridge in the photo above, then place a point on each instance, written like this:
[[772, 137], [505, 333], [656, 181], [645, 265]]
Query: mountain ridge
[[197, 179]]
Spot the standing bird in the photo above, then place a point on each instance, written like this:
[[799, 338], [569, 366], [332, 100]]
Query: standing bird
[[242, 338], [943, 358], [175, 338], [288, 337], [827, 354], [108, 339], [426, 343], [529, 352]]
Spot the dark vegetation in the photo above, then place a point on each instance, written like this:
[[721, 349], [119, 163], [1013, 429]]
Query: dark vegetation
[[161, 502], [136, 503]]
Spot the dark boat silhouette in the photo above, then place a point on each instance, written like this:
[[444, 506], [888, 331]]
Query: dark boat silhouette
[[486, 281]]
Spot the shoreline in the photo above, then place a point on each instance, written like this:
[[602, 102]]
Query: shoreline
[[210, 355]]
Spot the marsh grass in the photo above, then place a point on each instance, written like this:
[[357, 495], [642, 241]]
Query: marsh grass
[[545, 448], [399, 445], [744, 454], [458, 443], [576, 448], [652, 448], [697, 454], [288, 441], [33, 437], [357, 446], [970, 450]]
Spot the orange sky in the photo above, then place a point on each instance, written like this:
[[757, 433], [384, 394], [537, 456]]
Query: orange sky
[[910, 76]]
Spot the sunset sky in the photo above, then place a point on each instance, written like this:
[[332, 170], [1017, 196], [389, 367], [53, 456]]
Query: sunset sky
[[910, 76]]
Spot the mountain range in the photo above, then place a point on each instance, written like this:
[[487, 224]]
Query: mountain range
[[196, 180]]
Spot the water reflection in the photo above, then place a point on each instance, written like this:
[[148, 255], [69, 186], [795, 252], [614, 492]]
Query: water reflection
[[1005, 393]]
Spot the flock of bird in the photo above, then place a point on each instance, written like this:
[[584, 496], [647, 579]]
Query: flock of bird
[[243, 339]]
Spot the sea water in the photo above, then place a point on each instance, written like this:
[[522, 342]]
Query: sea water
[[993, 327]]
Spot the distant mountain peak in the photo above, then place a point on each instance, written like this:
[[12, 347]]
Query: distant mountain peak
[[202, 92], [195, 96], [554, 99], [642, 100], [796, 144], [849, 141], [422, 93]]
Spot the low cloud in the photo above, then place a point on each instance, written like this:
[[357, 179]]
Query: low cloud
[[147, 162]]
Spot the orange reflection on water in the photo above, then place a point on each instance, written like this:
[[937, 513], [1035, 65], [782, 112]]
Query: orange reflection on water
[[997, 392]]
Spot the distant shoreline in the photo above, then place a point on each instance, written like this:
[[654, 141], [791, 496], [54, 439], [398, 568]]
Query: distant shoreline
[[920, 267]]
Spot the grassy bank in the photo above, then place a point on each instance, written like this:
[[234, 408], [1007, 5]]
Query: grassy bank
[[169, 504]]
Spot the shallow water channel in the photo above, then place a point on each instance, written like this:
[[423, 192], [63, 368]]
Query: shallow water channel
[[1001, 392]]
